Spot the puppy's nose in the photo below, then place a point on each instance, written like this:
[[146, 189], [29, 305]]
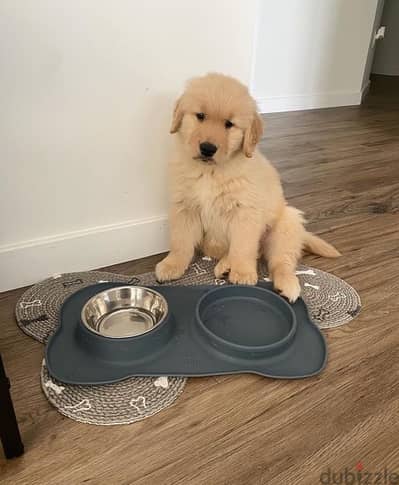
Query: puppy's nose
[[208, 149]]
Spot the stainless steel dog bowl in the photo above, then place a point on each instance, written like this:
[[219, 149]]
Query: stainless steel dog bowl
[[124, 311]]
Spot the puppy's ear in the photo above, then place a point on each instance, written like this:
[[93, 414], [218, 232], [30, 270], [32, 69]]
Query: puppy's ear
[[252, 135], [177, 116]]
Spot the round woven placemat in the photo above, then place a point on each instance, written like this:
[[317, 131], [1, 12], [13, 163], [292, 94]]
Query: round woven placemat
[[122, 402], [38, 308], [331, 303]]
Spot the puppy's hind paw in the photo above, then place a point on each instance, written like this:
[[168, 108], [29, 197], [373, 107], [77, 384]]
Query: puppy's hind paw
[[287, 285]]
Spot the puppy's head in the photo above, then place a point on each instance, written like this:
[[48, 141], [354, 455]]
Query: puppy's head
[[216, 118]]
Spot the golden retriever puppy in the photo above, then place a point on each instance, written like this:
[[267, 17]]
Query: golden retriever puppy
[[226, 197]]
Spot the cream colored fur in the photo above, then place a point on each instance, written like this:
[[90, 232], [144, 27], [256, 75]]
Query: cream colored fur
[[231, 207]]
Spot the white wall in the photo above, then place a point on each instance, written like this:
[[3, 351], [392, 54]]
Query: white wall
[[311, 53], [373, 45], [87, 88], [386, 60]]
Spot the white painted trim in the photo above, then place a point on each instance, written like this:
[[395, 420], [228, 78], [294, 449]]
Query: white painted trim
[[365, 90], [28, 262], [275, 104], [388, 70]]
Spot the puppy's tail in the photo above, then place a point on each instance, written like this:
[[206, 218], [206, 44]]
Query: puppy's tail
[[316, 245]]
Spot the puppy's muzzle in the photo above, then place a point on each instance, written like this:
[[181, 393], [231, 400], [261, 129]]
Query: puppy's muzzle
[[207, 149]]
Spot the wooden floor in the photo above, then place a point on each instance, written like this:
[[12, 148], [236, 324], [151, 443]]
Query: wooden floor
[[341, 166]]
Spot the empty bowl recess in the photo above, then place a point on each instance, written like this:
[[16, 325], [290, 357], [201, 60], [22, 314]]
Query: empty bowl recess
[[246, 319], [124, 311]]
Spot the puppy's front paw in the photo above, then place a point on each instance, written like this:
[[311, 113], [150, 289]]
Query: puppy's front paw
[[222, 268], [170, 268], [243, 275], [287, 284]]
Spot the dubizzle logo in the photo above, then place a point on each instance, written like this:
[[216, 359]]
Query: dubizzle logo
[[359, 476]]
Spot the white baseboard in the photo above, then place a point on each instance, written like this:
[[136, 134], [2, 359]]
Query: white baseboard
[[275, 104], [365, 90], [388, 70], [28, 262]]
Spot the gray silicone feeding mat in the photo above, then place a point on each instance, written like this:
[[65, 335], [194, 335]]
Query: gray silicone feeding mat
[[331, 303], [208, 331]]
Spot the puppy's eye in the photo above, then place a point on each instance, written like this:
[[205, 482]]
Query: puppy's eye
[[228, 124], [200, 116]]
